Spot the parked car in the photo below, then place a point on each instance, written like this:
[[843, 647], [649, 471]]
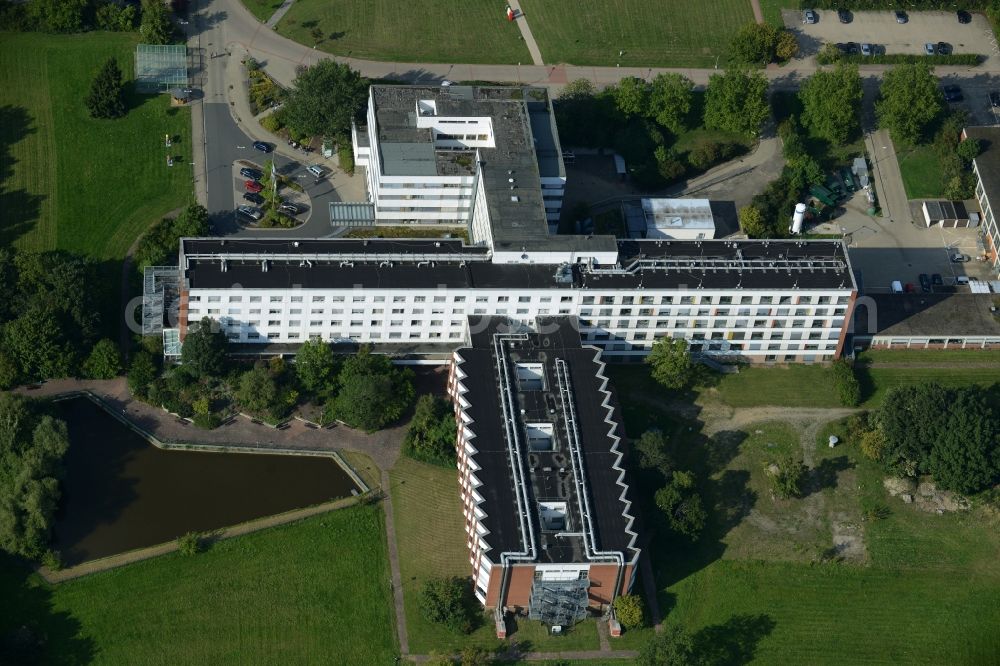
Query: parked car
[[254, 174], [289, 208], [964, 17], [316, 170], [848, 48], [937, 280], [962, 279], [959, 258], [844, 16], [896, 287], [925, 282], [250, 211], [995, 99], [867, 50], [944, 48], [929, 49], [910, 288], [952, 93], [253, 186], [262, 147], [809, 17], [901, 17], [253, 198]]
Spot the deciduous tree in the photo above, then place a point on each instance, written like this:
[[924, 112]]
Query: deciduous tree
[[257, 391], [671, 363], [204, 348], [104, 361], [831, 103], [431, 435], [632, 96], [670, 101], [447, 601], [682, 504], [316, 367], [628, 611], [754, 43], [752, 222], [371, 393], [736, 101], [651, 451], [324, 99], [141, 373], [156, 26], [910, 101]]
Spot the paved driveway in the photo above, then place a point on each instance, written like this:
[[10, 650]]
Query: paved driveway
[[881, 28]]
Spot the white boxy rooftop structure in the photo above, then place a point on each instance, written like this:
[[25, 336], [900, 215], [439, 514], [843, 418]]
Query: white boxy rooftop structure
[[679, 219]]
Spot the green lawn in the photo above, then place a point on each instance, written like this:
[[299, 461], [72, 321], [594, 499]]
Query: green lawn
[[772, 11], [929, 356], [417, 31], [652, 33], [71, 182], [295, 594], [262, 9], [921, 170], [427, 511]]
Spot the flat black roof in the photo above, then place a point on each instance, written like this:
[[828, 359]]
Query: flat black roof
[[929, 315], [650, 264], [551, 473], [988, 161]]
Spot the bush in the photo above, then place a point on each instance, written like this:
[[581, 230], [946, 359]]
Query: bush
[[787, 480], [449, 601], [207, 421], [628, 611], [141, 374], [52, 559], [846, 383], [431, 436], [345, 156], [104, 361], [710, 153], [190, 543], [829, 56]]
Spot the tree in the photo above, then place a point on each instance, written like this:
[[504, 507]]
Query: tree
[[38, 341], [156, 26], [846, 383], [670, 101], [190, 543], [105, 99], [257, 391], [672, 647], [115, 17], [752, 222], [104, 361], [371, 392], [204, 348], [831, 103], [736, 101], [969, 149], [672, 365], [628, 611], [59, 15], [158, 246], [754, 43], [31, 452], [141, 373], [682, 504], [787, 46], [9, 372], [787, 479], [325, 98], [315, 367], [910, 101], [965, 455], [447, 601], [651, 450], [476, 655], [631, 96], [431, 436]]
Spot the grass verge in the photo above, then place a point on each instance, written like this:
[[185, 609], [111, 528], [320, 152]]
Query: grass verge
[[680, 33], [291, 594], [921, 171], [418, 31], [262, 9]]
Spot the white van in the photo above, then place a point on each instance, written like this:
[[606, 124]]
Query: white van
[[316, 170], [896, 287]]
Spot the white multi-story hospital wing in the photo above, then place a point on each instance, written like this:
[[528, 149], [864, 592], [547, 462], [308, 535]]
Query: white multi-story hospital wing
[[758, 301]]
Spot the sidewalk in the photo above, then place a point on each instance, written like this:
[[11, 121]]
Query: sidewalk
[[529, 39], [888, 178]]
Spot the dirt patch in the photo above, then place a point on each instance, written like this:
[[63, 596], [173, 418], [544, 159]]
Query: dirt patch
[[848, 537], [932, 500]]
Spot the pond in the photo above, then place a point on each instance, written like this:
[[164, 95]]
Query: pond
[[122, 493]]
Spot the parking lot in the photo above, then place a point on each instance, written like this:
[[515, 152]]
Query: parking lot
[[298, 199], [881, 28]]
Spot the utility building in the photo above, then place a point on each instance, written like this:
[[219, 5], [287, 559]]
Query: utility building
[[547, 507]]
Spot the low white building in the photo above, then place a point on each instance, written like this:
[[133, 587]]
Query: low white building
[[679, 219], [455, 154]]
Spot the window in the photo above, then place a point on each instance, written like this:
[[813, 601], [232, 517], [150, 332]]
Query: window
[[296, 299], [315, 324], [274, 311], [319, 299], [502, 299], [273, 336], [459, 299], [419, 299], [275, 299], [255, 299], [439, 299], [524, 299], [587, 300], [214, 299], [569, 299], [399, 299], [295, 322], [235, 299], [295, 311]]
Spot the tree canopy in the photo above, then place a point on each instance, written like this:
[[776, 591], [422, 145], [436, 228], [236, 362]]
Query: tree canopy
[[651, 451], [431, 436], [671, 363], [831, 103], [204, 348], [680, 502], [156, 27], [910, 101], [754, 43], [736, 101], [32, 446], [371, 392], [316, 367], [632, 96], [449, 601], [324, 99], [106, 97], [159, 245], [670, 101], [104, 361]]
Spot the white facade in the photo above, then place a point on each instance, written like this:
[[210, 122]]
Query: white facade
[[779, 325]]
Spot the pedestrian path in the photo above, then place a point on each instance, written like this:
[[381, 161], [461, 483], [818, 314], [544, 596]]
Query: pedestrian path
[[758, 14], [529, 39], [397, 579], [280, 12]]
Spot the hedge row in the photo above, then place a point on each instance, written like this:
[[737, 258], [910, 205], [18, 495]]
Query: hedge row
[[887, 5], [970, 59]]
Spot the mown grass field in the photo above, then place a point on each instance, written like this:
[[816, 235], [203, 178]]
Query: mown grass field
[[316, 591], [929, 356], [429, 534], [772, 10], [71, 182], [262, 9], [417, 31], [652, 33], [921, 171]]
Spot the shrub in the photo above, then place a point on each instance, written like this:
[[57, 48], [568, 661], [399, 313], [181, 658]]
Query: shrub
[[787, 46], [104, 361], [52, 559], [628, 611], [345, 156], [829, 56], [787, 480], [190, 543], [431, 436], [448, 601], [846, 383], [207, 421]]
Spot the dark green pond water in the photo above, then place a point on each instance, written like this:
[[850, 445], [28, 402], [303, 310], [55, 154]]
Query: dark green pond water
[[122, 493]]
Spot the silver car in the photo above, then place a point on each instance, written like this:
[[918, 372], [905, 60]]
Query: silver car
[[809, 17], [251, 212]]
